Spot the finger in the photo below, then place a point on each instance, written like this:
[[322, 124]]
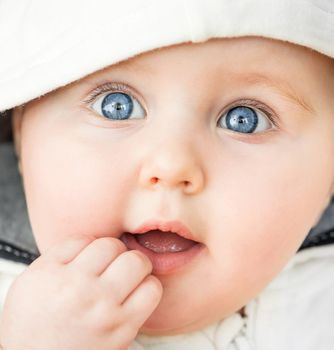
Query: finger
[[98, 255], [66, 250], [143, 301], [125, 273]]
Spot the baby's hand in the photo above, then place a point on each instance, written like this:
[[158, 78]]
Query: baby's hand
[[84, 293]]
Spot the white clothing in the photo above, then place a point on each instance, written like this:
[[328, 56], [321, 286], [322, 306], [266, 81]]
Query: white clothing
[[48, 44]]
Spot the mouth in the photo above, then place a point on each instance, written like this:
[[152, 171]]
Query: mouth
[[170, 246]]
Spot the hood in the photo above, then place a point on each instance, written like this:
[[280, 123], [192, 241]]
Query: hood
[[48, 44]]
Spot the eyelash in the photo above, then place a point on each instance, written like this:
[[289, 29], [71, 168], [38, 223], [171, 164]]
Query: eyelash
[[121, 87], [270, 114], [110, 87]]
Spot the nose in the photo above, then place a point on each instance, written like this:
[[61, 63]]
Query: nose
[[172, 166]]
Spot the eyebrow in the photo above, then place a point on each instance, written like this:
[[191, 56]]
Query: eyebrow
[[281, 86], [133, 66]]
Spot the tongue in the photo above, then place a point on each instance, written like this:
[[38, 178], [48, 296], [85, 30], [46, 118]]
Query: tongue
[[164, 242]]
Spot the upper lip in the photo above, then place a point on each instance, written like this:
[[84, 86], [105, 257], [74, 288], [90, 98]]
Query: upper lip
[[165, 226]]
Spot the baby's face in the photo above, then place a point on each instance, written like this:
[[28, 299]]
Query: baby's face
[[231, 138]]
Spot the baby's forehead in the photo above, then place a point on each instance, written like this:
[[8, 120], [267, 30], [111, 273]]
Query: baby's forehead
[[255, 64], [234, 54], [232, 62]]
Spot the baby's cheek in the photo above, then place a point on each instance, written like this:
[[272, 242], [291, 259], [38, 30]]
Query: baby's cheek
[[75, 196], [258, 224]]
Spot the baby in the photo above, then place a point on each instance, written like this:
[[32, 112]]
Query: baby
[[167, 191]]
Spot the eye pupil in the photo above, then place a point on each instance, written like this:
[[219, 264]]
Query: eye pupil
[[117, 106], [242, 119]]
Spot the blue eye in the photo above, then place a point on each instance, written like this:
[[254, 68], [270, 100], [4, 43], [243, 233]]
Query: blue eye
[[118, 106], [244, 120]]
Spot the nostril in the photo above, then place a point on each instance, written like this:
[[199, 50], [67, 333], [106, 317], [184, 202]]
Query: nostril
[[154, 180]]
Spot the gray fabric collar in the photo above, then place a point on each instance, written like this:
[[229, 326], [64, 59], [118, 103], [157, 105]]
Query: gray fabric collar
[[14, 223]]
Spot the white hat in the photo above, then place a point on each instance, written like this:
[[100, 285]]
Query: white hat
[[47, 44]]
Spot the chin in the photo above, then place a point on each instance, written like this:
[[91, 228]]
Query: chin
[[171, 325]]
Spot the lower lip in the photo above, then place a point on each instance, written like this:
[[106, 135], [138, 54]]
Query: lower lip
[[164, 263]]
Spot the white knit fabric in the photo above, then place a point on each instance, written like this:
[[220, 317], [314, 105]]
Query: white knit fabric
[[295, 312], [46, 44]]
